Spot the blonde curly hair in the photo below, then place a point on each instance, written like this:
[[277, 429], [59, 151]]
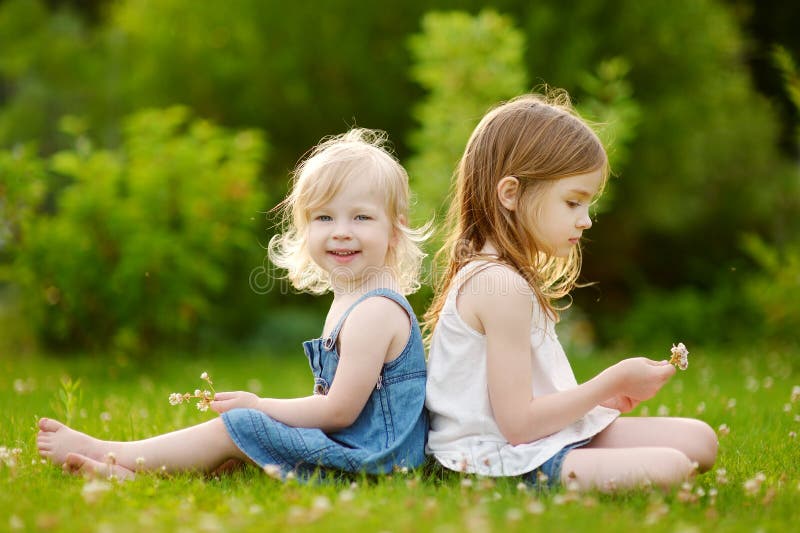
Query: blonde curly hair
[[317, 179]]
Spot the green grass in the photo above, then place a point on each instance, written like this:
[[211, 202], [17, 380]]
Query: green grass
[[119, 398]]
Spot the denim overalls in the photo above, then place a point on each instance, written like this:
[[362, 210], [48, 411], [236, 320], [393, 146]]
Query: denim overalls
[[390, 431]]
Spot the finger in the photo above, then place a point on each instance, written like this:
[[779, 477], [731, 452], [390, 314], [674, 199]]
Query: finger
[[224, 395]]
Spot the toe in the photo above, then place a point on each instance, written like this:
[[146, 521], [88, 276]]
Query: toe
[[49, 425]]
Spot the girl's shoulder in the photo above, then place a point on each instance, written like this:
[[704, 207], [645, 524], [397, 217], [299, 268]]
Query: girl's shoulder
[[381, 319], [495, 292], [492, 278]]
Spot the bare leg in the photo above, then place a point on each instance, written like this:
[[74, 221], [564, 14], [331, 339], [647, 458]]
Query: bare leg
[[608, 469], [694, 438], [203, 447]]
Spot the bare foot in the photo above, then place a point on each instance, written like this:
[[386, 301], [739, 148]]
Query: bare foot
[[76, 463], [55, 440]]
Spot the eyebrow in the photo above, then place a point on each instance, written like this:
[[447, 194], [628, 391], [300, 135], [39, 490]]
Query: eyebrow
[[582, 192]]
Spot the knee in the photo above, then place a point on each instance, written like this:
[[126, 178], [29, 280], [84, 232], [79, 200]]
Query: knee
[[673, 468], [704, 444]]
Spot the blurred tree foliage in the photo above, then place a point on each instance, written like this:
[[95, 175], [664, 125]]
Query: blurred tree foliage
[[466, 65], [695, 146], [146, 243]]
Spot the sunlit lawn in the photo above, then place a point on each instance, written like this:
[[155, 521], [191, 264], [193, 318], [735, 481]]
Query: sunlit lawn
[[749, 392]]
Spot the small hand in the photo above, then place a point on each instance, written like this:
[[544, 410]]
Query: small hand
[[640, 378], [621, 403], [225, 401]]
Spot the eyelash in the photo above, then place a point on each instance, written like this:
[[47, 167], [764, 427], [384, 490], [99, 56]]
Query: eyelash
[[328, 218], [572, 204]]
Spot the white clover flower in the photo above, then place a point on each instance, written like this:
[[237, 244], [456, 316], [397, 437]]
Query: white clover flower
[[273, 471], [535, 507], [795, 393], [205, 396], [321, 504], [680, 356]]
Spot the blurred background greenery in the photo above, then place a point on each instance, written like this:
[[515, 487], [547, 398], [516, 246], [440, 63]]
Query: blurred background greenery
[[142, 144]]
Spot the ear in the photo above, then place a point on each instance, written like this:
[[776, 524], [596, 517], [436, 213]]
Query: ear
[[508, 192], [396, 232]]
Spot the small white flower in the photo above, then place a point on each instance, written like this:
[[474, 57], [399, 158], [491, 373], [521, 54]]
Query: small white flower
[[202, 406], [724, 429], [680, 356], [93, 489], [140, 462], [175, 398], [204, 375], [321, 504], [273, 471], [535, 507], [795, 393]]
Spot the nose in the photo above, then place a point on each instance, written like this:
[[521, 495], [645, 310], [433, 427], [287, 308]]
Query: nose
[[342, 231], [584, 222]]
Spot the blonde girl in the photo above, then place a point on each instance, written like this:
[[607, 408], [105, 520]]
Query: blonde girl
[[502, 396], [346, 232]]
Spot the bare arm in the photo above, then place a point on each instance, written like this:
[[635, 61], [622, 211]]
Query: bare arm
[[364, 343], [505, 317]]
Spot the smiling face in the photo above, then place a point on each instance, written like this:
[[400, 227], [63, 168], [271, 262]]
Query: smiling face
[[561, 213], [350, 235]]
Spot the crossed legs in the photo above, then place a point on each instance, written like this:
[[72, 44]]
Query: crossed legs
[[203, 447], [634, 451]]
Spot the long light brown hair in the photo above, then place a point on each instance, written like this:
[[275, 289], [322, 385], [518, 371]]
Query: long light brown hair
[[537, 139]]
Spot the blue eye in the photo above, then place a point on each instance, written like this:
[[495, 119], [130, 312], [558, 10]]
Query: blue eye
[[363, 217], [323, 218]]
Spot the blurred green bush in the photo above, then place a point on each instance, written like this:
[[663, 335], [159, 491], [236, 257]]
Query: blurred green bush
[[774, 292], [694, 145], [147, 243]]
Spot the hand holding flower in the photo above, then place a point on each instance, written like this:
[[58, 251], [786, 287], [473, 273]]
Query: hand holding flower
[[225, 401]]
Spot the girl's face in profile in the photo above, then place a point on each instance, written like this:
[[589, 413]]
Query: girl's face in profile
[[562, 212]]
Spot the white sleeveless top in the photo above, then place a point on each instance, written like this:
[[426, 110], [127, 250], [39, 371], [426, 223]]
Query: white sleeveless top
[[464, 435]]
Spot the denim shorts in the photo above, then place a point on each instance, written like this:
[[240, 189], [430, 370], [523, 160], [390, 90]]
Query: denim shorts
[[551, 468]]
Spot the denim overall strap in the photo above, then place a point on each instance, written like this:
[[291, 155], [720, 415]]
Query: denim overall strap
[[330, 340]]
